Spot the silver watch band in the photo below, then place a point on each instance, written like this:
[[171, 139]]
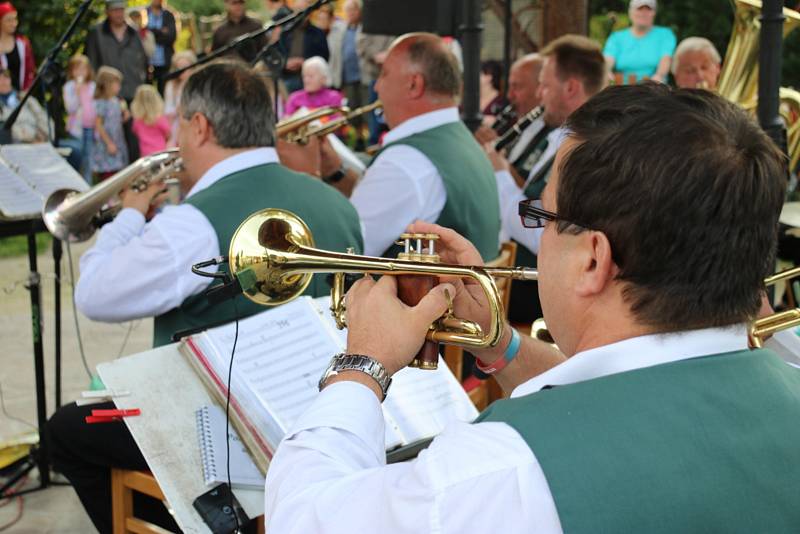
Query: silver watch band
[[358, 362]]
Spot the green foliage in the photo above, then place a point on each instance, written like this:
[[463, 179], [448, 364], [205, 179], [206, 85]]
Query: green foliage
[[209, 7], [43, 22], [18, 245]]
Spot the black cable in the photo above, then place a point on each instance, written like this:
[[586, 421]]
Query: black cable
[[75, 311], [227, 415]]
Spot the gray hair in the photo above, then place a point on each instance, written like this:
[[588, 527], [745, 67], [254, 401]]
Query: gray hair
[[695, 44], [234, 100], [438, 65], [322, 67]]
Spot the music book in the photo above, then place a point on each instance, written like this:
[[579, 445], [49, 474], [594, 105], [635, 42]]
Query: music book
[[281, 354], [211, 438], [29, 173]]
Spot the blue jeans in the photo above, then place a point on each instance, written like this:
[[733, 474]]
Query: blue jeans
[[87, 143], [75, 157]]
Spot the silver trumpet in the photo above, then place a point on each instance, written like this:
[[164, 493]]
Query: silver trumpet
[[74, 217]]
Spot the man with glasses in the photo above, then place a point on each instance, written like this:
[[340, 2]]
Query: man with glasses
[[659, 224], [573, 71]]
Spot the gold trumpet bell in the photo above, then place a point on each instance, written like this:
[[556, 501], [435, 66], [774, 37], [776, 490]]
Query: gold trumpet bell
[[255, 256]]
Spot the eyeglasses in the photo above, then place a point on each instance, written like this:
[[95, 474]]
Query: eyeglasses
[[533, 215]]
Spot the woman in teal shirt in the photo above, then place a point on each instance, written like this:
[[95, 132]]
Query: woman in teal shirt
[[643, 50]]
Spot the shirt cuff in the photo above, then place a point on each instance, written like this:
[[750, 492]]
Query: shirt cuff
[[128, 224], [351, 407]]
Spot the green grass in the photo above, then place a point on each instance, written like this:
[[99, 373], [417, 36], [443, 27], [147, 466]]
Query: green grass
[[18, 245]]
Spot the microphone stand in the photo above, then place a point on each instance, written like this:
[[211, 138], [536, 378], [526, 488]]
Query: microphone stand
[[49, 61], [274, 59], [289, 19]]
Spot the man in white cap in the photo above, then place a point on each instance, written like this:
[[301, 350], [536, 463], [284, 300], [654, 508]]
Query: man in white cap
[[643, 50], [696, 64]]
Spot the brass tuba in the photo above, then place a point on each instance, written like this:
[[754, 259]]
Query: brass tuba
[[273, 257], [738, 81], [74, 217]]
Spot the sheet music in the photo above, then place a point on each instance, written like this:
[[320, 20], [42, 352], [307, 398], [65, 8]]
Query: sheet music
[[17, 198], [280, 356], [422, 403], [29, 173], [42, 167], [282, 352]]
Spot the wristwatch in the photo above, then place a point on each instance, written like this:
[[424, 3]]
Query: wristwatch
[[357, 362], [336, 176]]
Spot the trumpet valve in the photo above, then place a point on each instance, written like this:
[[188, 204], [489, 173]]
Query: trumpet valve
[[418, 247]]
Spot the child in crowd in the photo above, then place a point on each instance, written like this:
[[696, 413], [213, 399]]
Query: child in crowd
[[315, 92], [173, 89], [110, 152], [79, 101], [150, 125]]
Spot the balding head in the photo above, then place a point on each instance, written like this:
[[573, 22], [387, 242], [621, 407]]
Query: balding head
[[420, 74], [523, 83]]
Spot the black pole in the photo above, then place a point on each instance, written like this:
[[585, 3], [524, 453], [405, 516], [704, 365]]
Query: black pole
[[507, 60], [34, 286], [57, 253], [769, 71], [471, 43]]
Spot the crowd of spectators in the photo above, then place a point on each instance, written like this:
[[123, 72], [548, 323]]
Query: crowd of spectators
[[329, 60]]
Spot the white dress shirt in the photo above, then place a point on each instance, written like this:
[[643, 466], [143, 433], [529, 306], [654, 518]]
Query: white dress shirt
[[401, 186], [329, 474], [511, 194], [141, 269]]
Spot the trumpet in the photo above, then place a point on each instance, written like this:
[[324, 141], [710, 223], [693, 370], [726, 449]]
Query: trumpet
[[762, 328], [516, 130], [74, 217], [300, 129], [273, 257]]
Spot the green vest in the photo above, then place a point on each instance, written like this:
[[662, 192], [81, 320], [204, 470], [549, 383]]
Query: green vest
[[472, 208], [332, 219], [710, 444]]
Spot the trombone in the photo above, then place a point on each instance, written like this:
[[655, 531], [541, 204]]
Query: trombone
[[273, 257], [74, 217]]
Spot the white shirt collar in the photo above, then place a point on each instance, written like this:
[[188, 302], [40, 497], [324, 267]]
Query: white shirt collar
[[239, 162], [420, 123], [637, 353]]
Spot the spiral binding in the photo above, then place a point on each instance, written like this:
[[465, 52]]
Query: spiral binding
[[206, 444]]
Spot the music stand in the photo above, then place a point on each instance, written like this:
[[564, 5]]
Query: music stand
[[29, 173]]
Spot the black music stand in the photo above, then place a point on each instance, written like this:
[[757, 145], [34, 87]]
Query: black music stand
[[38, 457]]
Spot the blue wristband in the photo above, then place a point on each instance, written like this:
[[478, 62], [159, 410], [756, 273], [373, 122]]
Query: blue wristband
[[513, 347], [511, 352]]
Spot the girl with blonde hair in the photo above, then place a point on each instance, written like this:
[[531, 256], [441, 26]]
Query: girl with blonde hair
[[110, 152], [150, 125]]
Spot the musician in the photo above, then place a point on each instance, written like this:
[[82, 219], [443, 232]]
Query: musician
[[140, 269], [523, 96], [573, 71], [430, 168], [660, 420], [696, 64]]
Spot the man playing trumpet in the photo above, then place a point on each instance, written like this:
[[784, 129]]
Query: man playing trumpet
[[140, 268], [659, 420]]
